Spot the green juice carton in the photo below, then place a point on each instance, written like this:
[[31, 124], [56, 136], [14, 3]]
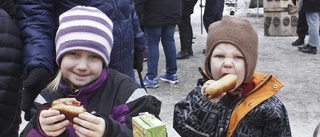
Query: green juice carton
[[147, 125]]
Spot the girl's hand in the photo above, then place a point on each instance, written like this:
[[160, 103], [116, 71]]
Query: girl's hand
[[52, 122], [214, 100], [88, 125]]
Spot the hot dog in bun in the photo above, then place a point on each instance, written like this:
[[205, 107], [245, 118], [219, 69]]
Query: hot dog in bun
[[224, 84]]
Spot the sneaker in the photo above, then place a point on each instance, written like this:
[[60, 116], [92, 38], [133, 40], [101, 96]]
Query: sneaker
[[150, 83], [173, 79]]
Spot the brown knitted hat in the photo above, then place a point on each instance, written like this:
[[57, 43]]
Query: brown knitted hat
[[238, 32]]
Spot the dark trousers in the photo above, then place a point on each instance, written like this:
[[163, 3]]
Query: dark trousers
[[302, 26], [213, 12], [185, 28]]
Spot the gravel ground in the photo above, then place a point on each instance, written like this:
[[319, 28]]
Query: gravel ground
[[298, 72]]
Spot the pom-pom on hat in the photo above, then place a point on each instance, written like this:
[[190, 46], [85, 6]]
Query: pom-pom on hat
[[84, 28], [238, 32]]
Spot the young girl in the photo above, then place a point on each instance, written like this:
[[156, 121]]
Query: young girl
[[249, 110], [83, 44]]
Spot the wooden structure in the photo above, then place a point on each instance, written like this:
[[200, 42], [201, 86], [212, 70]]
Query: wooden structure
[[280, 18]]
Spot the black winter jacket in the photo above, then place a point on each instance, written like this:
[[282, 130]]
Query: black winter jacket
[[117, 100], [159, 12], [257, 114], [38, 21], [10, 69]]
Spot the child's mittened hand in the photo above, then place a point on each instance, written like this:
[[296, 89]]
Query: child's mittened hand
[[52, 122], [88, 125], [214, 100]]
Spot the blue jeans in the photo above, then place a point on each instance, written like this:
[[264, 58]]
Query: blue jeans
[[153, 36], [313, 19]]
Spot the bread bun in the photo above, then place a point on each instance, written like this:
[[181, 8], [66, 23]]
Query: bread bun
[[224, 84], [70, 107]]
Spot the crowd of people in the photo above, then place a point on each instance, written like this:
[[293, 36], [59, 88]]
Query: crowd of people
[[89, 50]]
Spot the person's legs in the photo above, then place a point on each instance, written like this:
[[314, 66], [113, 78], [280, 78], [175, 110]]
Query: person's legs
[[313, 23], [302, 29], [185, 30], [169, 48], [213, 12], [153, 34]]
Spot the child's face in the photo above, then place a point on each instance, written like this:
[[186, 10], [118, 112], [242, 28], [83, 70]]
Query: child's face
[[81, 67], [227, 59]]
